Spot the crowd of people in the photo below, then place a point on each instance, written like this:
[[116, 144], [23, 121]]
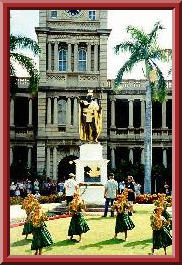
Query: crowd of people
[[46, 187]]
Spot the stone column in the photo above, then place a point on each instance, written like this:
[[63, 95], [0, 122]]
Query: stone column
[[55, 111], [69, 57], [56, 56], [12, 112], [113, 125], [164, 115], [49, 111], [54, 163], [48, 162], [49, 55], [11, 155], [130, 113], [165, 157], [113, 163], [131, 154], [88, 57], [142, 157], [30, 112], [68, 112], [29, 157], [75, 57], [95, 57], [142, 113], [75, 112]]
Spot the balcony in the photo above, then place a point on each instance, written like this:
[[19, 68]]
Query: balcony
[[138, 134], [21, 133], [132, 84]]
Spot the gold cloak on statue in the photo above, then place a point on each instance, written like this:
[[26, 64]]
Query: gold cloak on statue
[[90, 121]]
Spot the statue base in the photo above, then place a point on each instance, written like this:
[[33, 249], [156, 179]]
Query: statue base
[[91, 173]]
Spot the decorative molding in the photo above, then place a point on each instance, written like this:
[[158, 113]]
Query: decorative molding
[[88, 77], [57, 77]]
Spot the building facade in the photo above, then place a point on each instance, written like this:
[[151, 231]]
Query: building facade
[[73, 60]]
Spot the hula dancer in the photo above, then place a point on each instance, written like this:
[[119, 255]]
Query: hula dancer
[[28, 205], [161, 235], [161, 202], [41, 236], [123, 220], [78, 225]]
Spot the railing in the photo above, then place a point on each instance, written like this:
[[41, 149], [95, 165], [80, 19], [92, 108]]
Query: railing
[[136, 132], [22, 132], [134, 84], [23, 81]]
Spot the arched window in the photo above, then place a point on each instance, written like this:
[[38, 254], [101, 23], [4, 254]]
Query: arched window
[[82, 58], [62, 112], [62, 60]]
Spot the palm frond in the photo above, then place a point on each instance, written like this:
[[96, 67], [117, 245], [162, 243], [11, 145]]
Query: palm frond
[[125, 47], [27, 63], [160, 54], [159, 88], [137, 34], [12, 70], [128, 65], [153, 34], [24, 43]]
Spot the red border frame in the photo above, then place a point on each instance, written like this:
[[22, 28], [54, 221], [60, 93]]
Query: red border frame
[[104, 4]]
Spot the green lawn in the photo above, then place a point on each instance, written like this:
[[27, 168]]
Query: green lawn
[[98, 241]]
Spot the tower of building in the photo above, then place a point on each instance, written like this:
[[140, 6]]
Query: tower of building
[[73, 60]]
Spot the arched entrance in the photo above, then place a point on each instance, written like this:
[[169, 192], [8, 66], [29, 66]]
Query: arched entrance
[[66, 166]]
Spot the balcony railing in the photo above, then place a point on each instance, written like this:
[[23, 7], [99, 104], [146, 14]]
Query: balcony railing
[[22, 132], [157, 133], [134, 84]]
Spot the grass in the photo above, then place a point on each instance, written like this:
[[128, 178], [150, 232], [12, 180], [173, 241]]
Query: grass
[[98, 241]]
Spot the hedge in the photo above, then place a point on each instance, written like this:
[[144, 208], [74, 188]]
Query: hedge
[[56, 198]]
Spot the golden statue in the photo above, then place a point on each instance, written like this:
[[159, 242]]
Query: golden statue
[[90, 118]]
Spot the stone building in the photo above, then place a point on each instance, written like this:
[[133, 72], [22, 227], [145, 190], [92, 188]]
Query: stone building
[[45, 129]]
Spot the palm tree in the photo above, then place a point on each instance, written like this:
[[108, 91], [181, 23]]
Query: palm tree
[[144, 48], [26, 62]]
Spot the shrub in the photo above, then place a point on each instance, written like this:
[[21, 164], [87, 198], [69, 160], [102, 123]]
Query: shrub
[[53, 198], [150, 198]]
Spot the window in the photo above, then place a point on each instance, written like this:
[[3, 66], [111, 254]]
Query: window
[[62, 112], [92, 14], [82, 60], [62, 60], [54, 14]]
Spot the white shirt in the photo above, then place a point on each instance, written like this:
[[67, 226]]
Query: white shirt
[[111, 187], [37, 195], [70, 187], [17, 192], [13, 187]]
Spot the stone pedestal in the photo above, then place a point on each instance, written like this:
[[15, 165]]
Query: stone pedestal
[[91, 173]]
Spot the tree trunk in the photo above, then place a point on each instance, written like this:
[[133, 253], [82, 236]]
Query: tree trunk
[[148, 141]]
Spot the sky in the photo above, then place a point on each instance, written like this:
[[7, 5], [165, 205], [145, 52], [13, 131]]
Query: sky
[[24, 22]]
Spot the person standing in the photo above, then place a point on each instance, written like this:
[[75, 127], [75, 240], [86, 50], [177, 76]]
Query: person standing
[[78, 225], [166, 189], [12, 189], [161, 235], [121, 186], [131, 193], [123, 221], [41, 236], [70, 186], [110, 193]]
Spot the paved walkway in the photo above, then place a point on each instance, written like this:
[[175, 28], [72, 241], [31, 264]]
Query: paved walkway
[[16, 213]]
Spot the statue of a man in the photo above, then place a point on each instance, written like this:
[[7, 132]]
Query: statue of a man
[[90, 119]]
